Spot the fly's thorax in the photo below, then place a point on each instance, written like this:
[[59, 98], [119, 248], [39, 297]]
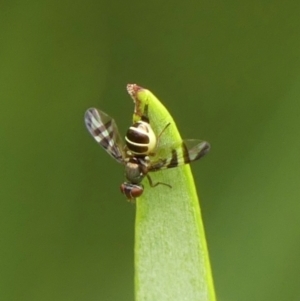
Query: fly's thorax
[[140, 138], [136, 168]]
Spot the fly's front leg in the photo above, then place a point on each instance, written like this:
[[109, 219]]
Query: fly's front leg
[[157, 183]]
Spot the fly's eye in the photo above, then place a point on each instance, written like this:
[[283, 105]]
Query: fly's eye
[[131, 191], [136, 191]]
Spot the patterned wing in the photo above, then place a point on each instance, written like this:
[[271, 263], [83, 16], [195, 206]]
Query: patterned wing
[[179, 154], [105, 131]]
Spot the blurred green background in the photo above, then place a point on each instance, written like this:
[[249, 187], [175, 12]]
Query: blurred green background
[[229, 72]]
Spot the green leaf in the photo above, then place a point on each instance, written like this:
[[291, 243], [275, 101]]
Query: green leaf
[[171, 256]]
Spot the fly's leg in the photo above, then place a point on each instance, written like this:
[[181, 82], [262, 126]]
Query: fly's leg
[[145, 118], [159, 136], [157, 183]]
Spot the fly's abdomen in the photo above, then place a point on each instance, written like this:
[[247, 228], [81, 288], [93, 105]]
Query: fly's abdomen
[[140, 138]]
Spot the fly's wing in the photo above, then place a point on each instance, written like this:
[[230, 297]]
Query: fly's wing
[[179, 154], [105, 131]]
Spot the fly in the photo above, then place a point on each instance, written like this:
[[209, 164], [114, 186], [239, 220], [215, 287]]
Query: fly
[[138, 152]]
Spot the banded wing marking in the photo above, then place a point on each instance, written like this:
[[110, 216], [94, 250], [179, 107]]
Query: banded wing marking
[[105, 131], [183, 153]]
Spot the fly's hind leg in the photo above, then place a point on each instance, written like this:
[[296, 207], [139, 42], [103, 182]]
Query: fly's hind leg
[[159, 136], [145, 117]]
